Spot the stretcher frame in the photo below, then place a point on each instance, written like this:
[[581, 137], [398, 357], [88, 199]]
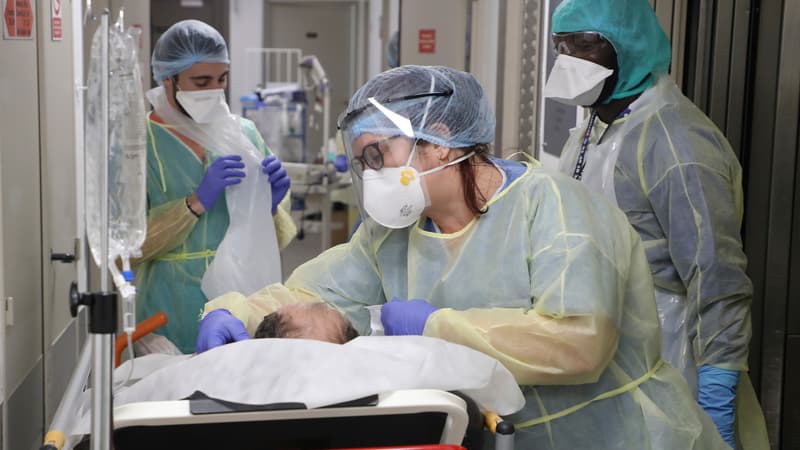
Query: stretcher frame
[[193, 414]]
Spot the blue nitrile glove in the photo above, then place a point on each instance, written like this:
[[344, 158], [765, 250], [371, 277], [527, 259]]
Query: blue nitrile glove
[[219, 327], [340, 163], [278, 179], [400, 317], [223, 172], [716, 393]]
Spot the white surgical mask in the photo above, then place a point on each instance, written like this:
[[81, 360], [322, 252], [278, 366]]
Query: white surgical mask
[[575, 81], [393, 196], [204, 106]]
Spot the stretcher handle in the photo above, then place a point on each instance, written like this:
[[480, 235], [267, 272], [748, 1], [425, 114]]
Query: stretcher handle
[[502, 430], [53, 440], [143, 328]]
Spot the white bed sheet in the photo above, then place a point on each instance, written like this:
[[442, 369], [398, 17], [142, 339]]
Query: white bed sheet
[[263, 371]]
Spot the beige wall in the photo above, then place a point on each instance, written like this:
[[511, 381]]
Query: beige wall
[[448, 18]]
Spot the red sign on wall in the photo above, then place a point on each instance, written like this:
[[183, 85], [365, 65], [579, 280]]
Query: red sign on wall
[[427, 41], [56, 17], [18, 18]]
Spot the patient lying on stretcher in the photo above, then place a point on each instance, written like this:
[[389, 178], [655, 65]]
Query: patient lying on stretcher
[[255, 371], [307, 321], [284, 313], [299, 314]]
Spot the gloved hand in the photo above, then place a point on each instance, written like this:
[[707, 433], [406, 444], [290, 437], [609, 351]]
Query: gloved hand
[[716, 393], [223, 172], [219, 327], [400, 317], [278, 179], [340, 163]]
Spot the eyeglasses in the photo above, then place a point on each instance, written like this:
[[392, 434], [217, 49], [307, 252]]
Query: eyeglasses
[[346, 117], [371, 156], [580, 42]]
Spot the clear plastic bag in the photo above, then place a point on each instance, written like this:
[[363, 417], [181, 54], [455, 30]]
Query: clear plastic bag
[[127, 153], [248, 258]]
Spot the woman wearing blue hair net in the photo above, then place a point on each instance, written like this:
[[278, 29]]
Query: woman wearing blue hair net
[[191, 162], [500, 256], [673, 173]]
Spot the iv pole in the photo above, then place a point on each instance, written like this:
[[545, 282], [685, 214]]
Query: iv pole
[[102, 307], [116, 168]]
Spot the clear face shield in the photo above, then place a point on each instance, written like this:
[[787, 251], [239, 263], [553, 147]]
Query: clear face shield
[[382, 145]]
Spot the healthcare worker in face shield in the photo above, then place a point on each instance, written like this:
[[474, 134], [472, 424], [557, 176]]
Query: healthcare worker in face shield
[[673, 173], [500, 256], [186, 183]]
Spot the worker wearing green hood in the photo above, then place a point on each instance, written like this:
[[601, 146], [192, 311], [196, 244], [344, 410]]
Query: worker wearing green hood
[[674, 174]]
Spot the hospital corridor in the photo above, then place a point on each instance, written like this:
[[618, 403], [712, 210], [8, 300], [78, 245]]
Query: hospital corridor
[[400, 224]]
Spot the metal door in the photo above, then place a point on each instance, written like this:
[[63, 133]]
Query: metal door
[[22, 236], [773, 218], [38, 188], [743, 69], [60, 333]]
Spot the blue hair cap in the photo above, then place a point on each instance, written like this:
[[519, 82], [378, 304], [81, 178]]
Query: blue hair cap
[[184, 44]]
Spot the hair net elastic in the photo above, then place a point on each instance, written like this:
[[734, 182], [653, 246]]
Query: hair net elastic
[[185, 43], [632, 28], [457, 114]]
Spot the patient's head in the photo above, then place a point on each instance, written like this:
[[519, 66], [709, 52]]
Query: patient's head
[[307, 321]]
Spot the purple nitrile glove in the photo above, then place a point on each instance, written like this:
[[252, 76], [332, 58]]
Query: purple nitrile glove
[[223, 172], [340, 163], [401, 317], [219, 327], [278, 179]]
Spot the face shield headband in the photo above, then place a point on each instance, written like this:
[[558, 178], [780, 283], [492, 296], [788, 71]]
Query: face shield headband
[[346, 119]]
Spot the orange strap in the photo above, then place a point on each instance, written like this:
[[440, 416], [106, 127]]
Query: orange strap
[[144, 327]]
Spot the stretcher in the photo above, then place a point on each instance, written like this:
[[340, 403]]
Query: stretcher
[[408, 418], [233, 397]]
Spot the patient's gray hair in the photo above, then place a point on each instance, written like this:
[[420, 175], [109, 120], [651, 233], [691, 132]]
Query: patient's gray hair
[[307, 321]]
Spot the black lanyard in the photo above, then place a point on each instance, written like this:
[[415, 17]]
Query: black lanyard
[[578, 173]]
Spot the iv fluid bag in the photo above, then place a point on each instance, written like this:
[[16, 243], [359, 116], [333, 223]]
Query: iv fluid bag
[[127, 157]]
